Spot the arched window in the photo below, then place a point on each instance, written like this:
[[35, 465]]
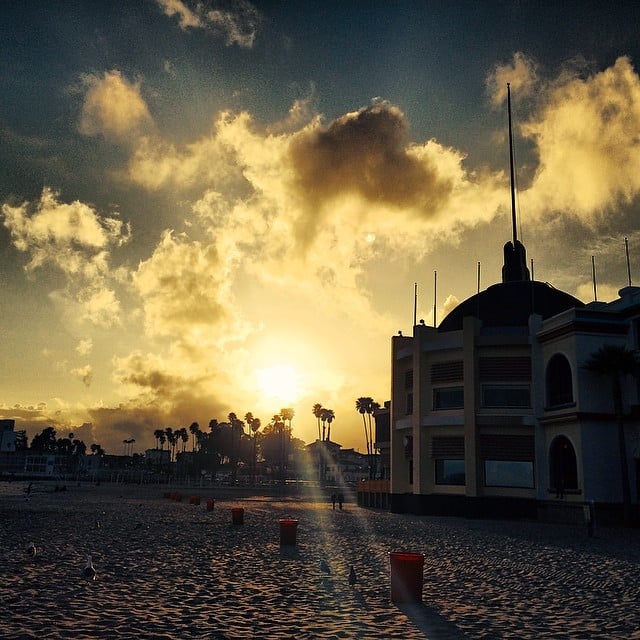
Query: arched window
[[563, 469], [559, 382]]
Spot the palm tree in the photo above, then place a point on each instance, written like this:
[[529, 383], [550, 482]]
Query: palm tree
[[184, 436], [278, 428], [254, 425], [373, 407], [317, 412], [323, 418], [287, 414], [194, 428], [237, 428], [96, 449], [616, 362], [329, 417], [171, 439], [362, 406]]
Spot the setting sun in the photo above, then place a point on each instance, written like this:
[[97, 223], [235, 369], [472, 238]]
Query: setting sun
[[279, 384]]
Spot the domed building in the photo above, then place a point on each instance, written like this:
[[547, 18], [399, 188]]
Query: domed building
[[493, 412]]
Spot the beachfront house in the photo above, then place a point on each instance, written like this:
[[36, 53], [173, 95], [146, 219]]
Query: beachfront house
[[494, 413]]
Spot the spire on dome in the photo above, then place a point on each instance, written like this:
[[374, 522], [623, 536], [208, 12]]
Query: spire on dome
[[515, 255]]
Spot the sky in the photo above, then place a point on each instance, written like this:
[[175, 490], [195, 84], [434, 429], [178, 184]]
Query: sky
[[211, 206]]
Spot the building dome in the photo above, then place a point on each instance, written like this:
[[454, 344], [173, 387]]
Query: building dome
[[509, 304]]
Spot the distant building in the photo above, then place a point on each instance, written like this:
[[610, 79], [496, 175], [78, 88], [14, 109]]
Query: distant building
[[331, 463], [157, 456], [382, 441], [7, 436]]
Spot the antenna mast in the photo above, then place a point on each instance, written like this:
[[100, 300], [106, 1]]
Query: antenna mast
[[626, 247], [435, 295], [511, 168]]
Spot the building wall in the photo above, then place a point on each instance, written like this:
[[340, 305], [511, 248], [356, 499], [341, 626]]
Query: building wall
[[530, 443]]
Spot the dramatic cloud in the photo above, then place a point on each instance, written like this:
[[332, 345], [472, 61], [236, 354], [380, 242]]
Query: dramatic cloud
[[365, 154], [584, 128], [586, 135]]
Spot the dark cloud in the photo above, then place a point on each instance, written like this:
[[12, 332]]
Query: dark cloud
[[365, 153]]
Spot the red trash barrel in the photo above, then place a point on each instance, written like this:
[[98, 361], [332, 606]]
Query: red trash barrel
[[288, 528], [237, 515], [406, 576], [210, 504]]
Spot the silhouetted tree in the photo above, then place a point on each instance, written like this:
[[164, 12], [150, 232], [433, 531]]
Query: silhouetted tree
[[317, 412], [194, 429], [45, 441]]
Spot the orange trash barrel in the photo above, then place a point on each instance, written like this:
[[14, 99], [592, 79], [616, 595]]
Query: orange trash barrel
[[288, 529], [237, 515], [406, 576]]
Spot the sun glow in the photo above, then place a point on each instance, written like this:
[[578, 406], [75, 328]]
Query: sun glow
[[279, 384]]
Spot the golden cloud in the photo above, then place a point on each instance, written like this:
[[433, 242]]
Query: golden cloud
[[113, 107], [586, 135]]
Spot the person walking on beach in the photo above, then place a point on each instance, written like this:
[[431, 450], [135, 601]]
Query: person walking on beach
[[340, 501], [333, 500]]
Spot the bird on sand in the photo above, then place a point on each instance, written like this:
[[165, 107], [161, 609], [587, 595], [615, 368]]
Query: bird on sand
[[32, 551], [324, 565], [89, 571], [352, 575]]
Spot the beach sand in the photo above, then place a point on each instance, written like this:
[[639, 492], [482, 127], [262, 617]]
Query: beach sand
[[171, 570]]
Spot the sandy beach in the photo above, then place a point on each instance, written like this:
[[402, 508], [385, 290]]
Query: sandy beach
[[169, 569]]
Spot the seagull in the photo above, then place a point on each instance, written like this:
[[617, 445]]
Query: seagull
[[98, 524], [89, 571], [352, 575], [324, 565], [32, 550]]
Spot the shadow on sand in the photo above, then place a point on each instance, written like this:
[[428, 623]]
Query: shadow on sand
[[430, 622]]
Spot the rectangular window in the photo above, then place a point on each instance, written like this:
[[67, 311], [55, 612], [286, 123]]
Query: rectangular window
[[450, 472], [408, 379], [508, 473], [409, 404], [450, 371], [448, 398], [506, 395], [505, 368]]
